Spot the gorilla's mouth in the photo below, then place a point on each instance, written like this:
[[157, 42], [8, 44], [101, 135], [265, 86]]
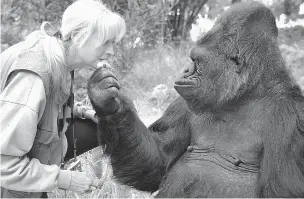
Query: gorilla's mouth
[[184, 82]]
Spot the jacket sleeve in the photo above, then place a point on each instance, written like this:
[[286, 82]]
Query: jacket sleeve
[[22, 104]]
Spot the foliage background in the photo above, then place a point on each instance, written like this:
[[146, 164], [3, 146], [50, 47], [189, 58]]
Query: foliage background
[[153, 52]]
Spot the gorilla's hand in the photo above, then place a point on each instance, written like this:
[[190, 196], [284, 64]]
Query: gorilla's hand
[[103, 89]]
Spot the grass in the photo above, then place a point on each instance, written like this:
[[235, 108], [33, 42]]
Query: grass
[[110, 187]]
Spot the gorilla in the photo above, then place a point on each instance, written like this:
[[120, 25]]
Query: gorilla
[[236, 130]]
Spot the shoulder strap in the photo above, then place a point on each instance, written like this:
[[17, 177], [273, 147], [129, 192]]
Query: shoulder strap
[[69, 103]]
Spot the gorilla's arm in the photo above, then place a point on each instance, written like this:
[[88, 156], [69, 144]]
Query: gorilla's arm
[[140, 157], [282, 174]]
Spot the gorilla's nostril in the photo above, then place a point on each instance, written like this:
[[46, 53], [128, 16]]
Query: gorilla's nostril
[[186, 71]]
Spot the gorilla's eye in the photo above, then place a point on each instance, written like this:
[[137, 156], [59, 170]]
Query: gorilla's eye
[[235, 59]]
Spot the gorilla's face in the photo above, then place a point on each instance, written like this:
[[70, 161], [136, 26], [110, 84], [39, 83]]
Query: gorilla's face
[[227, 59], [215, 75]]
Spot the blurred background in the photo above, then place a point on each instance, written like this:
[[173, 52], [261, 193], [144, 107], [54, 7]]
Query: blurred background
[[155, 48]]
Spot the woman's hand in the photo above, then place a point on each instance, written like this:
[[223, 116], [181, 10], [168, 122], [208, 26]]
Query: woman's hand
[[81, 183], [84, 112]]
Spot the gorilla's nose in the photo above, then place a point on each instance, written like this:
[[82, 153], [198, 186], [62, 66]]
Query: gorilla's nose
[[188, 71]]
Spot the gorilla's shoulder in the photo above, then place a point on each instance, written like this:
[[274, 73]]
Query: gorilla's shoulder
[[176, 114], [177, 106]]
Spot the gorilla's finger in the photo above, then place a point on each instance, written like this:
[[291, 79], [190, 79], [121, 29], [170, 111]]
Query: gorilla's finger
[[101, 74], [100, 95], [108, 82]]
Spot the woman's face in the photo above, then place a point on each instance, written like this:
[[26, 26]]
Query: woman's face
[[89, 54]]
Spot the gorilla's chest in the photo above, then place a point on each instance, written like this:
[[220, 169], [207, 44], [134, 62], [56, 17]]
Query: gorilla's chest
[[231, 140], [221, 161], [200, 178]]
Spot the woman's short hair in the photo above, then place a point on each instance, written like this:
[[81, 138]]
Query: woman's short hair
[[81, 19], [88, 16]]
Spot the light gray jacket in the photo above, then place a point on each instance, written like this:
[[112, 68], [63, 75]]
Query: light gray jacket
[[31, 148]]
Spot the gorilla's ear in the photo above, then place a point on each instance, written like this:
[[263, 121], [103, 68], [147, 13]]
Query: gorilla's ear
[[238, 63], [238, 60]]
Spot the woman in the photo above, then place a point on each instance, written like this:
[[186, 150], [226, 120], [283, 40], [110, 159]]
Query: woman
[[35, 83]]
